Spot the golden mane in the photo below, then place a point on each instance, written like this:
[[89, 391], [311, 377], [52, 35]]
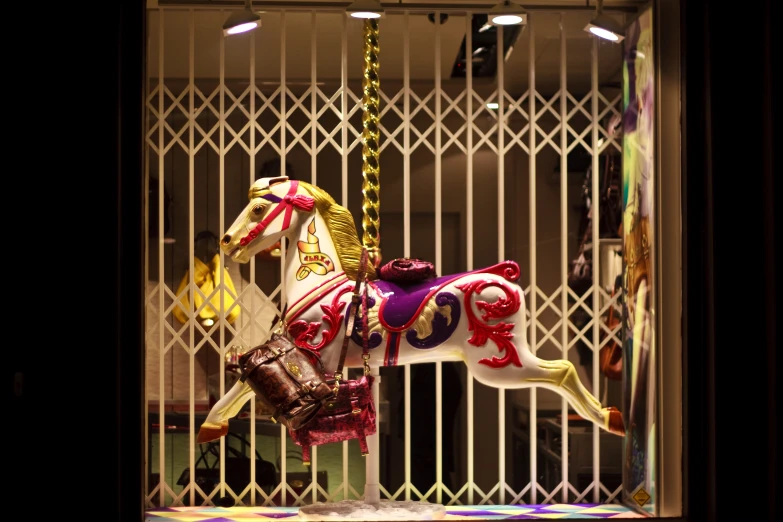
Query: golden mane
[[342, 229]]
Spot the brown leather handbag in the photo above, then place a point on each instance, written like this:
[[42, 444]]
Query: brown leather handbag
[[288, 377]]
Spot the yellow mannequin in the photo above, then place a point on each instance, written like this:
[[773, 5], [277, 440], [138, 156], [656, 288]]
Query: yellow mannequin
[[206, 278]]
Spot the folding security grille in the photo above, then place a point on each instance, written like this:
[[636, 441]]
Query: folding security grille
[[222, 112]]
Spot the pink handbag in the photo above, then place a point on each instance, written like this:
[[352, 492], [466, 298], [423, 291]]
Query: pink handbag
[[351, 414]]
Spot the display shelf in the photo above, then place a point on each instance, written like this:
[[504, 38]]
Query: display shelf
[[179, 422]]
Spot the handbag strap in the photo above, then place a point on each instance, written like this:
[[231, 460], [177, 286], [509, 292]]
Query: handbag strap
[[605, 186], [365, 332], [352, 306]]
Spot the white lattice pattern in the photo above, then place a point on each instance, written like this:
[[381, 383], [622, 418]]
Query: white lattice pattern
[[251, 121]]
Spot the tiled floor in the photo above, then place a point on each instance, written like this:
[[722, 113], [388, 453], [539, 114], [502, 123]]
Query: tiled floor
[[519, 512]]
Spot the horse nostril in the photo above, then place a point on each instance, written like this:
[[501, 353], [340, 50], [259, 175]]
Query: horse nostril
[[226, 239]]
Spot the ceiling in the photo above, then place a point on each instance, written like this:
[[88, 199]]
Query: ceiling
[[324, 37]]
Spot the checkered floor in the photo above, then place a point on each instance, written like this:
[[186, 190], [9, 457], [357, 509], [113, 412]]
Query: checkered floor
[[520, 512]]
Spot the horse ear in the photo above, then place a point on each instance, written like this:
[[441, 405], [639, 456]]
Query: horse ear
[[278, 179], [265, 183]]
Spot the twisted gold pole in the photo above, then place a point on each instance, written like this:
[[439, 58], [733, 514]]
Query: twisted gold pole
[[371, 190]]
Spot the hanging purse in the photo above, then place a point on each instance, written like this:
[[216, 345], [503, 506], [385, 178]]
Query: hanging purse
[[288, 381], [289, 378], [580, 273], [610, 206], [611, 354], [351, 413]]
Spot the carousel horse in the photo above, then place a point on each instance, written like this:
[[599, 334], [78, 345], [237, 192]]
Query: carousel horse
[[477, 317]]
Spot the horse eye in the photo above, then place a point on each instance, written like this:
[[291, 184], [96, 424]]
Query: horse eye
[[258, 209]]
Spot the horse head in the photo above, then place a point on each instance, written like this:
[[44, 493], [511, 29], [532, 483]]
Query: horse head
[[268, 216]]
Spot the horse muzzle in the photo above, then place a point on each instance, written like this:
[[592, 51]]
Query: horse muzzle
[[231, 248]]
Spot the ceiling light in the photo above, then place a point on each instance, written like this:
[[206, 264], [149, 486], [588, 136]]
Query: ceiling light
[[508, 13], [242, 21], [365, 9], [604, 26], [493, 106]]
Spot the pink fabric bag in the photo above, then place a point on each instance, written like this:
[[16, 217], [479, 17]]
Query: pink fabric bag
[[349, 416]]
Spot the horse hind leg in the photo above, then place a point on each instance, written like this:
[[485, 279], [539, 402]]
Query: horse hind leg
[[561, 377]]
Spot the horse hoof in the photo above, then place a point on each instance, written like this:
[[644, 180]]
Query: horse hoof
[[210, 431], [614, 421]]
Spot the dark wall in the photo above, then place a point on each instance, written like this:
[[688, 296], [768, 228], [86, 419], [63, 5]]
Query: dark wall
[[732, 458], [76, 358], [124, 233], [74, 275]]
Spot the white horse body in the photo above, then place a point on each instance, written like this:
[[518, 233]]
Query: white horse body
[[477, 317]]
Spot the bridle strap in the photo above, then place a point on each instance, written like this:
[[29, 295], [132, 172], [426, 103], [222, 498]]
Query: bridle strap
[[353, 308], [287, 203]]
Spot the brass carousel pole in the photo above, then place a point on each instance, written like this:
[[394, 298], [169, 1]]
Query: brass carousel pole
[[371, 116], [371, 238]]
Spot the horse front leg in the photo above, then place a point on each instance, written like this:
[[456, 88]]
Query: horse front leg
[[216, 423]]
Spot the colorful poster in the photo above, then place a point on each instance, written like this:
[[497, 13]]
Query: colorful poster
[[638, 254]]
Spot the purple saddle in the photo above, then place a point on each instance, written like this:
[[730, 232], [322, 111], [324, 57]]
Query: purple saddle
[[402, 302]]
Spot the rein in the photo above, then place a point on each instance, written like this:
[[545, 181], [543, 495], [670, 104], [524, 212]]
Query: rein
[[288, 203]]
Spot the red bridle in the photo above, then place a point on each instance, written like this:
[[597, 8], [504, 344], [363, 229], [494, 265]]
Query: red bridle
[[288, 203]]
